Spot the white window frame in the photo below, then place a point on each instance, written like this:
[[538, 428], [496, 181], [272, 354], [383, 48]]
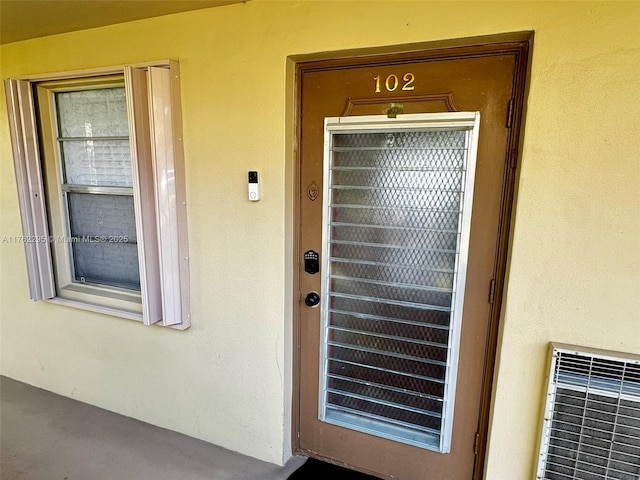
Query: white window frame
[[57, 189], [157, 159]]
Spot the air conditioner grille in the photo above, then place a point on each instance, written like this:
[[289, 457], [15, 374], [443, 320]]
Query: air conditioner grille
[[592, 423]]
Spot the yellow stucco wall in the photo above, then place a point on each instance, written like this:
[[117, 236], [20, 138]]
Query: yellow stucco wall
[[574, 269]]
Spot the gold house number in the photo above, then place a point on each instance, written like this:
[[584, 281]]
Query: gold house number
[[391, 83]]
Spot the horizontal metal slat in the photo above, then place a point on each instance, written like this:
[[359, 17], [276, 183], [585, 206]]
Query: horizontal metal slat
[[426, 288], [397, 247], [597, 368], [604, 457], [597, 391], [385, 264], [394, 208], [97, 189], [367, 316], [391, 302], [618, 415], [398, 149], [394, 227], [344, 186], [386, 387], [617, 434], [359, 413], [574, 425], [611, 388], [385, 353], [590, 404], [581, 417], [386, 370], [397, 169], [391, 337], [594, 371], [86, 139], [385, 403], [605, 450]]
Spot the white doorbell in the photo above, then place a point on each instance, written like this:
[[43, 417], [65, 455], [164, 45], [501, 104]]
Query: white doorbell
[[254, 186]]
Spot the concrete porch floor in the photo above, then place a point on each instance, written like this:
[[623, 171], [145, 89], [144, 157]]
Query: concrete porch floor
[[44, 436]]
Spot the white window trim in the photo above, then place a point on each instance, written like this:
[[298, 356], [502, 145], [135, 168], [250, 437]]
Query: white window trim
[[155, 125]]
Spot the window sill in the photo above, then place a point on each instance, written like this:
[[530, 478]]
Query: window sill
[[114, 312]]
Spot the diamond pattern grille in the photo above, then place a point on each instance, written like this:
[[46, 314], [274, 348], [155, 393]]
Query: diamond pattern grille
[[394, 232]]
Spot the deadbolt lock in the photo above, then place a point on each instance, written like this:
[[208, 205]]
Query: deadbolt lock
[[311, 262]]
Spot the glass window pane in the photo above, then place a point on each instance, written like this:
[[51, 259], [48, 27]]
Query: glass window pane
[[104, 239], [93, 113], [97, 162]]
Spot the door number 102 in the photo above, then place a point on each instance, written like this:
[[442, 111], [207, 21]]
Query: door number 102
[[391, 83]]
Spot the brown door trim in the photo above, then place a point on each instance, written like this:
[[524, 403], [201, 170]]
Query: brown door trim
[[517, 44]]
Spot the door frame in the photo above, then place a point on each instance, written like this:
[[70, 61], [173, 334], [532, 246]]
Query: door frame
[[518, 44]]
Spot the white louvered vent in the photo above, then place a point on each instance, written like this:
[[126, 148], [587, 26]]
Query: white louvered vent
[[592, 418]]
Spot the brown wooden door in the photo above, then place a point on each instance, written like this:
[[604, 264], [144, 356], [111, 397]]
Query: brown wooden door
[[380, 382]]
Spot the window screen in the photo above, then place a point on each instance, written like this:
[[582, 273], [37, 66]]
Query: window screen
[[97, 184]]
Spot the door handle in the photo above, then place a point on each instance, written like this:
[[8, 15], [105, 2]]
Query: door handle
[[312, 299]]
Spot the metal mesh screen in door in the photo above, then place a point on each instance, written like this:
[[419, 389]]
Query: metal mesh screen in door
[[395, 202]]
